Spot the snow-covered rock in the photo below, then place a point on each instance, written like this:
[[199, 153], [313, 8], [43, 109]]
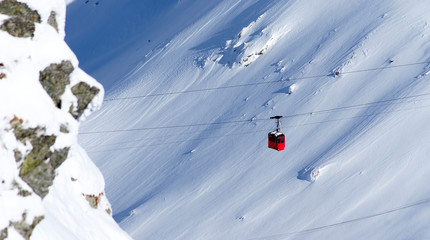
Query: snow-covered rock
[[49, 188]]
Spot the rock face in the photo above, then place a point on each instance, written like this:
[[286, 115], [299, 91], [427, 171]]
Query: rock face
[[41, 164], [55, 78], [52, 20], [38, 166], [22, 19], [85, 94], [24, 228]]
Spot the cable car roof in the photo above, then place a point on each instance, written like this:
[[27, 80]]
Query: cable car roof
[[276, 133]]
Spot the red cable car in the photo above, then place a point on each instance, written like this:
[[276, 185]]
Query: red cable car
[[277, 138]]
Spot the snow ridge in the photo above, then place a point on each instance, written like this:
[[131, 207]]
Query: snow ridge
[[49, 187]]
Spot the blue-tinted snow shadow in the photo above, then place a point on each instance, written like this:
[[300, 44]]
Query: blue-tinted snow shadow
[[92, 30], [218, 40], [119, 217], [305, 174], [285, 90], [359, 126], [98, 34], [112, 38], [150, 195]]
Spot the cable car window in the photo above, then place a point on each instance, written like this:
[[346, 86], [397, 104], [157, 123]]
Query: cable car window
[[272, 138]]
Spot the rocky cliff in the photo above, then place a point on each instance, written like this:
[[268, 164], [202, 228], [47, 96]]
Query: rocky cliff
[[49, 188]]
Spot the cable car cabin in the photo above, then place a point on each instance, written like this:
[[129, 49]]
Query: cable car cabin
[[277, 140]]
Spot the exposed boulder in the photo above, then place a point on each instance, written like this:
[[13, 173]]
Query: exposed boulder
[[35, 170], [40, 178], [55, 78], [85, 94], [52, 20], [19, 27], [3, 234], [59, 156], [21, 192], [93, 200], [25, 229], [21, 24], [15, 8]]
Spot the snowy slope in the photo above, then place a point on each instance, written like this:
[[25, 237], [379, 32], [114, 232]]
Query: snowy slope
[[49, 187], [181, 137]]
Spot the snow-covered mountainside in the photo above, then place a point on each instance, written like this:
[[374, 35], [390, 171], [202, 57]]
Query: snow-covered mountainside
[[49, 188], [182, 134]]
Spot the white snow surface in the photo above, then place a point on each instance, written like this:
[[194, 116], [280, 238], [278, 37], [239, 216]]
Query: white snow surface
[[67, 214], [182, 134]]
